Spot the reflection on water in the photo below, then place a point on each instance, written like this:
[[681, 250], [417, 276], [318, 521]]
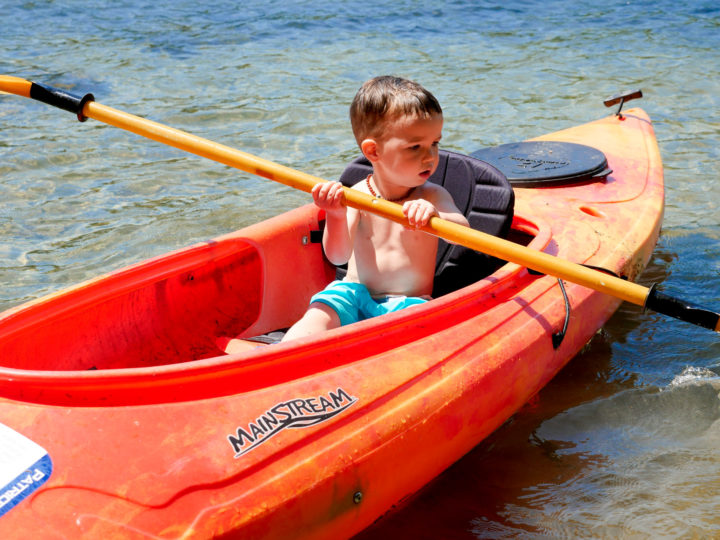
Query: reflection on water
[[638, 452], [623, 441]]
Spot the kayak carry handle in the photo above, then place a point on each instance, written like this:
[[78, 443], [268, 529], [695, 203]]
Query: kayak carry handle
[[622, 98]]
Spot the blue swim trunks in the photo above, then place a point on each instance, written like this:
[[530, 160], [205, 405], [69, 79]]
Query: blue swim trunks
[[352, 301]]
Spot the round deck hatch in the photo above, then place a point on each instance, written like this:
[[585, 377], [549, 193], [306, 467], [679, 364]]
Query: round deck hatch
[[546, 163]]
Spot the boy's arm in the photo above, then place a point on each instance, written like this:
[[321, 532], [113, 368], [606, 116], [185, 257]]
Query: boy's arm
[[439, 203], [340, 223], [452, 213]]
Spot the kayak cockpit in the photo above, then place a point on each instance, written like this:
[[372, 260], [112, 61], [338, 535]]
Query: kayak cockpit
[[179, 307], [149, 333], [175, 308]]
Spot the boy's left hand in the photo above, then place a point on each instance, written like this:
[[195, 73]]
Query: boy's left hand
[[418, 212]]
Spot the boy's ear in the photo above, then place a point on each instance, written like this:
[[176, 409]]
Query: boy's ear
[[369, 149]]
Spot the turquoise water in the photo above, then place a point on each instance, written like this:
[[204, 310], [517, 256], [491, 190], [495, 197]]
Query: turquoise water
[[624, 442]]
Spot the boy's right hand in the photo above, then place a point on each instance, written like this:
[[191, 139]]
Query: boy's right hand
[[330, 196]]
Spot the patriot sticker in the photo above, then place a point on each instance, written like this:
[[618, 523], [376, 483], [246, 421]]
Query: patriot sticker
[[291, 414], [24, 467]]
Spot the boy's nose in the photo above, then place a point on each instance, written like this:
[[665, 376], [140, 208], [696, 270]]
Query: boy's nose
[[430, 156]]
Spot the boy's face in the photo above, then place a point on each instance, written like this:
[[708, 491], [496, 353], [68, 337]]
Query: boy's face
[[407, 152]]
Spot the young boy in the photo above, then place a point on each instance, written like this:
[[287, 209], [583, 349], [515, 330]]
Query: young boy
[[398, 126]]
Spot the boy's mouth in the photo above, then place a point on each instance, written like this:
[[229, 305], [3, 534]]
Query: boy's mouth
[[425, 174]]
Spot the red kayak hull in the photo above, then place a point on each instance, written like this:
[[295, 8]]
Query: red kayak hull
[[153, 432]]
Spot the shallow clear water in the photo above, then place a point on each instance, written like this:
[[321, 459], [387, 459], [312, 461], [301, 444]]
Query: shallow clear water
[[623, 443]]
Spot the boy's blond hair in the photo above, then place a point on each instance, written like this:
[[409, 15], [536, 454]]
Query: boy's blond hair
[[386, 98]]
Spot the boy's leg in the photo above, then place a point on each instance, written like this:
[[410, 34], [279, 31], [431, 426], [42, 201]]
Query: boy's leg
[[318, 318]]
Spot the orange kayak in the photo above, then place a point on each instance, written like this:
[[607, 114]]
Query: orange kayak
[[121, 415]]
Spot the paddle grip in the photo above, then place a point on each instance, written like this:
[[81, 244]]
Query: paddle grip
[[61, 99], [681, 309]]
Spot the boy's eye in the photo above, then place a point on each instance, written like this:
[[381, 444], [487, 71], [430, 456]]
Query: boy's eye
[[417, 147]]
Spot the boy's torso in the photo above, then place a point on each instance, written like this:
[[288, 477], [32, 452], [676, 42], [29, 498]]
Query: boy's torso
[[389, 258]]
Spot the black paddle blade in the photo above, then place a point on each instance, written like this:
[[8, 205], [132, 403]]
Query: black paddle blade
[[683, 310]]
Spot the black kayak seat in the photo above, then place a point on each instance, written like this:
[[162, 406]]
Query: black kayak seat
[[482, 193]]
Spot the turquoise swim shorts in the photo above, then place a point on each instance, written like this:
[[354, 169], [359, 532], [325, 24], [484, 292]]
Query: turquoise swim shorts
[[352, 301]]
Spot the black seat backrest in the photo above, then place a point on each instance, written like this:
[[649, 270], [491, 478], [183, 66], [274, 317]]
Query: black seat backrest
[[482, 193]]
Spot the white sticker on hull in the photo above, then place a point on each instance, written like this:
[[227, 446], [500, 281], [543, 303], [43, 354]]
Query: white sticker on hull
[[24, 467]]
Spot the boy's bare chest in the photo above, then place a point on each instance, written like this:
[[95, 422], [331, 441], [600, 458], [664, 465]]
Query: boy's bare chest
[[385, 233]]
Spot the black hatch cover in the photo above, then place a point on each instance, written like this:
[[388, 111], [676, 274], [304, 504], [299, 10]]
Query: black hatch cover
[[546, 163]]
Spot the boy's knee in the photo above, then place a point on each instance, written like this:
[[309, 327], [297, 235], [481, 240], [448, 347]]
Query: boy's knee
[[318, 318], [324, 315]]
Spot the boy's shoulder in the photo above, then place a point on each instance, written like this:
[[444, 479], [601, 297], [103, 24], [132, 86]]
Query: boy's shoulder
[[431, 188]]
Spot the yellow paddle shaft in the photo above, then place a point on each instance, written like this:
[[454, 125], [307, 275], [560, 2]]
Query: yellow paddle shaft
[[86, 107], [458, 234]]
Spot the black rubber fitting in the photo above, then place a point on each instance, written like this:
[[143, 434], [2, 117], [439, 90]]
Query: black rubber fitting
[[61, 99]]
